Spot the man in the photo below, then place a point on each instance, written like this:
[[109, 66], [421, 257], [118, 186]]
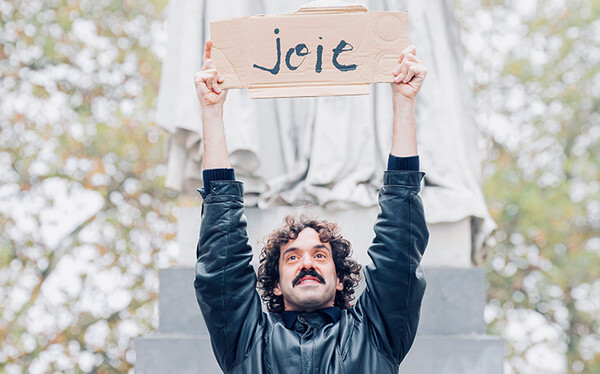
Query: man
[[306, 275]]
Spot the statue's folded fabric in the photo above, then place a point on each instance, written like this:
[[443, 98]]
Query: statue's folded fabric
[[329, 151]]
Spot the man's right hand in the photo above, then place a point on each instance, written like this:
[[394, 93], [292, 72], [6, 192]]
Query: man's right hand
[[211, 98], [207, 82]]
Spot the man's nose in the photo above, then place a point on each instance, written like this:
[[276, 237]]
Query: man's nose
[[307, 262]]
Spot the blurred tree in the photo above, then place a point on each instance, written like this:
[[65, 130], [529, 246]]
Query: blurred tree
[[84, 216], [86, 222], [535, 70]]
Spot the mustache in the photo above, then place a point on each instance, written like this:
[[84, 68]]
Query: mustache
[[304, 272]]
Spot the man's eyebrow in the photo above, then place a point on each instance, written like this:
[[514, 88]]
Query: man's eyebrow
[[322, 246], [318, 246], [291, 249]]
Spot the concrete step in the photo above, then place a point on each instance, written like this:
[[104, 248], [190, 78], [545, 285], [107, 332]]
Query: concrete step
[[430, 354], [455, 354], [178, 310], [453, 303], [175, 353]]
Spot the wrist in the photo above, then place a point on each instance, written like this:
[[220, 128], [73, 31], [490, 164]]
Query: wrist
[[404, 141], [212, 112], [402, 102]]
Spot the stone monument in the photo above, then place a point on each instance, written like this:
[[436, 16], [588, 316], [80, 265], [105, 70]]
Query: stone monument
[[330, 151], [293, 152]]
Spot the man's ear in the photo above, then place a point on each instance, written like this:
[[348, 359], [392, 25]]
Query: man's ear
[[277, 290], [339, 286]]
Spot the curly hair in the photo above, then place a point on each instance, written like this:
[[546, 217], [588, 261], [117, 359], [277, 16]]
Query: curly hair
[[347, 269]]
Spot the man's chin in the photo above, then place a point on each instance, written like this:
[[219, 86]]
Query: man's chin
[[311, 306], [309, 301]]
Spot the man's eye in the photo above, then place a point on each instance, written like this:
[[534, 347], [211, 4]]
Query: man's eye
[[292, 258], [320, 255]]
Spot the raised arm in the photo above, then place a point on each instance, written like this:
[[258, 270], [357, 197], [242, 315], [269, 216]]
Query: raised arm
[[409, 76], [392, 299], [225, 281], [212, 99]]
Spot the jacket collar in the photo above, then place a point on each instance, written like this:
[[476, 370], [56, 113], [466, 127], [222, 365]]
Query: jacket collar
[[331, 314]]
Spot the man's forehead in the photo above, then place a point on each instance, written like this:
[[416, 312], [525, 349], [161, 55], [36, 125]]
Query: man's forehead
[[293, 248], [308, 238]]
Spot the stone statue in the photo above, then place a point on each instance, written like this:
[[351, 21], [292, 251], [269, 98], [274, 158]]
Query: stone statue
[[329, 151]]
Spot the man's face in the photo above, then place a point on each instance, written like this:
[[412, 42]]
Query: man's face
[[307, 277]]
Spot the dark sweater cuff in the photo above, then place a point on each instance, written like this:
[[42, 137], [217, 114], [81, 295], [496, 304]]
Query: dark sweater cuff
[[403, 163], [227, 174], [210, 175]]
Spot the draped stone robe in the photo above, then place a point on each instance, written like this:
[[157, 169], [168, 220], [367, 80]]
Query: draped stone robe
[[329, 151]]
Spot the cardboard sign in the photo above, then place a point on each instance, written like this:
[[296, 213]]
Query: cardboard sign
[[312, 52]]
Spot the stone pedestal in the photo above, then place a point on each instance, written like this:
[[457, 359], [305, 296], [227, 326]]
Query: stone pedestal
[[451, 336], [449, 243]]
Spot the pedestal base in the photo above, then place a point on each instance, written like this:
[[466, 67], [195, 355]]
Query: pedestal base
[[451, 337]]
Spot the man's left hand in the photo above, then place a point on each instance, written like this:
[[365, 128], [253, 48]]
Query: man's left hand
[[408, 75]]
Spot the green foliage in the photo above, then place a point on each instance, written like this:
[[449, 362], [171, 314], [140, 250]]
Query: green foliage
[[86, 220], [536, 82]]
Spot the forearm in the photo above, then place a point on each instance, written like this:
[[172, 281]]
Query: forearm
[[215, 147], [401, 235], [225, 281], [395, 283], [404, 138]]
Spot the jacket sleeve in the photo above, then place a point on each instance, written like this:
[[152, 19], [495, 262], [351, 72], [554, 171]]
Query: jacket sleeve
[[395, 282], [225, 281]]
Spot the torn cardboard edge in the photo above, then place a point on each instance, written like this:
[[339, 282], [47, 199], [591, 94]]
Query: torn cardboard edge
[[332, 9], [315, 51]]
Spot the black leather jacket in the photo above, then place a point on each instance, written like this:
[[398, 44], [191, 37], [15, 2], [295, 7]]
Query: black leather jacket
[[373, 336]]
